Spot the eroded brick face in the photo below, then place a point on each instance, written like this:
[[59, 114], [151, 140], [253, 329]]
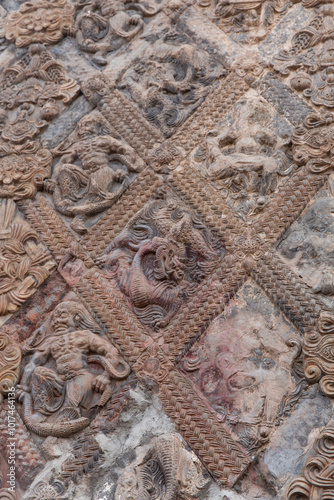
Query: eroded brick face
[[166, 249]]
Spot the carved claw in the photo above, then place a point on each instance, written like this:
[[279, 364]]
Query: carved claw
[[21, 391], [120, 175], [100, 383], [49, 185]]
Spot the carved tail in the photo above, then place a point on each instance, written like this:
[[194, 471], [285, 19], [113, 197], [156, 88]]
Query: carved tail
[[56, 429], [167, 450], [117, 374]]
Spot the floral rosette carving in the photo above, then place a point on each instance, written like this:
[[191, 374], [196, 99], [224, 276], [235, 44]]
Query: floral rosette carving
[[166, 156], [318, 352], [44, 21], [10, 358], [23, 169], [318, 479], [24, 263], [152, 365], [48, 490], [313, 144], [249, 250]]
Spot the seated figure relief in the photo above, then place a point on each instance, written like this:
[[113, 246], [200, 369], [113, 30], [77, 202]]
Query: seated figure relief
[[173, 80], [71, 370], [247, 159], [253, 377], [158, 259], [104, 26], [93, 171]]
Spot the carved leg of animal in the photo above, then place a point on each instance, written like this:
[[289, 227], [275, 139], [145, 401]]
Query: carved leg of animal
[[100, 58], [79, 224]]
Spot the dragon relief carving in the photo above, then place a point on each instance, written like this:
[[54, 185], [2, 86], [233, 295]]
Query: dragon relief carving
[[172, 81], [41, 21], [103, 27], [159, 258], [317, 480], [24, 261], [247, 160], [70, 370], [309, 63], [165, 469], [94, 170], [33, 91]]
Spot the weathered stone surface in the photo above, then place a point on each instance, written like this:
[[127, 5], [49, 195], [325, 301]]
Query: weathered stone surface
[[166, 249]]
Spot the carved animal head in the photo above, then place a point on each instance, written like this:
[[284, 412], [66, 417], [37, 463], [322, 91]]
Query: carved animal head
[[168, 262], [91, 126], [93, 26]]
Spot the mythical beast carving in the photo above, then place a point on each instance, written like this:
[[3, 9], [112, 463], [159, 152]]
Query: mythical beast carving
[[173, 81], [159, 258]]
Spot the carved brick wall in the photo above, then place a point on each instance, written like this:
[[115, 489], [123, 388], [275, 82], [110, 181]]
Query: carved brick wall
[[166, 249]]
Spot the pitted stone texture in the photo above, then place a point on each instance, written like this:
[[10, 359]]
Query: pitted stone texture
[[308, 246]]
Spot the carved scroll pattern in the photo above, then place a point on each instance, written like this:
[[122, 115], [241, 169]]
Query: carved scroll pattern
[[25, 264], [317, 480], [44, 21], [250, 251]]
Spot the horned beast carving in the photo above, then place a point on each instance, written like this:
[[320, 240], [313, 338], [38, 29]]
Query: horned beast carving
[[163, 252]]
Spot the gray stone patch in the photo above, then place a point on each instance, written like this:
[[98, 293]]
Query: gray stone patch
[[66, 123], [284, 100]]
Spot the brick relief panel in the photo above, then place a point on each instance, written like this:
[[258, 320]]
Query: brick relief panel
[[166, 250]]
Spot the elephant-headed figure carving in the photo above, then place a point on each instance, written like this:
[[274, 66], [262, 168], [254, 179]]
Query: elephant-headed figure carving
[[93, 171], [164, 470], [70, 372]]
